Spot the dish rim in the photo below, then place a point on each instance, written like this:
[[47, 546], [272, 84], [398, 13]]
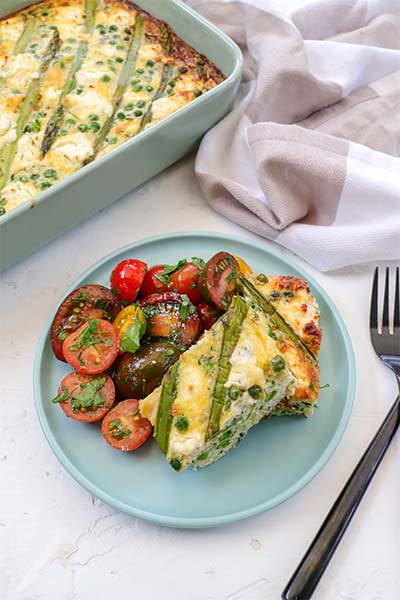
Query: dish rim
[[198, 522], [58, 187]]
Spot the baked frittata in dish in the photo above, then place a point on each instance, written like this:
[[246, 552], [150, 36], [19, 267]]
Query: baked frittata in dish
[[80, 77]]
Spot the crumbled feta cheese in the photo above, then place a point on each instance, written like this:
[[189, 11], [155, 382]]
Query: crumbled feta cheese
[[74, 148], [87, 103]]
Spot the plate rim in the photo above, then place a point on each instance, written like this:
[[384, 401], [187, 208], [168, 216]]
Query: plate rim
[[224, 519]]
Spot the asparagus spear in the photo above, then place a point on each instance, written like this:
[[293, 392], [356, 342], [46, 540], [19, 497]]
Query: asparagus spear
[[248, 288], [123, 80], [166, 76], [26, 35], [164, 415], [28, 105], [53, 124], [238, 311]]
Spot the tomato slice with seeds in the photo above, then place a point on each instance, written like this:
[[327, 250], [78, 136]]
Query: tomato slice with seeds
[[127, 277], [86, 398], [123, 427], [86, 302], [218, 280], [92, 348], [172, 316]]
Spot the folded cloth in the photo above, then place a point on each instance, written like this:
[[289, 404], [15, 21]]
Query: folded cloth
[[310, 154]]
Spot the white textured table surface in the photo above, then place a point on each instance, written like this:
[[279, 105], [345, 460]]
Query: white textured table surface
[[59, 543]]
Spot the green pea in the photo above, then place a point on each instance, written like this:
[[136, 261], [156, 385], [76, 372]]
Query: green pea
[[278, 363], [181, 423], [94, 126], [93, 117], [83, 127], [176, 464], [121, 116], [71, 121], [149, 88], [255, 391], [50, 173], [106, 78], [138, 113]]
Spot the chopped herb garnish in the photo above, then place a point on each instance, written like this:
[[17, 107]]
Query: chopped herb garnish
[[186, 308], [82, 298], [324, 386], [89, 398], [118, 431], [131, 339], [199, 262], [164, 277], [63, 397]]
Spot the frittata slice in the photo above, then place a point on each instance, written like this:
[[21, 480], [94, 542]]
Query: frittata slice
[[293, 300], [221, 387], [298, 333]]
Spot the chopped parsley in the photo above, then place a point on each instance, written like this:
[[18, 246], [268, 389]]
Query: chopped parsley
[[89, 398], [118, 431]]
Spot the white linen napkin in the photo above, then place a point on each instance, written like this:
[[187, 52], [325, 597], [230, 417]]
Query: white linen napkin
[[310, 155]]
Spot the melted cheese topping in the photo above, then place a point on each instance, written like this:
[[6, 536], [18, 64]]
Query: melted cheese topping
[[292, 299]]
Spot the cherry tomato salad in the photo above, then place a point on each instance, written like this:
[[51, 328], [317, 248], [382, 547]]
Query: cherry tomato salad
[[121, 340]]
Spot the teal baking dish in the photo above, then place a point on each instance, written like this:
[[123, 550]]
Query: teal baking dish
[[100, 183]]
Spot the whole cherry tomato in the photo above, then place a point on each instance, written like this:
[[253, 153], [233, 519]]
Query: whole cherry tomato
[[127, 278]]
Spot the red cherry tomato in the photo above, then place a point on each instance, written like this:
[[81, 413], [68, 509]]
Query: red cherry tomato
[[86, 398], [170, 315], [186, 280], [207, 315], [123, 428], [151, 283], [126, 279], [92, 348], [89, 301]]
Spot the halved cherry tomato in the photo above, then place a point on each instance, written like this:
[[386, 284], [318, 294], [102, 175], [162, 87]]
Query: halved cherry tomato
[[151, 283], [129, 332], [169, 315], [186, 281], [127, 277], [218, 280], [208, 315], [92, 348], [86, 302], [86, 398], [123, 428]]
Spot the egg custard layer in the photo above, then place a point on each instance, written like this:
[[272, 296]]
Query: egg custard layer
[[80, 77]]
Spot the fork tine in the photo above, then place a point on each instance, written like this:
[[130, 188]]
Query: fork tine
[[373, 314], [396, 318], [385, 316]]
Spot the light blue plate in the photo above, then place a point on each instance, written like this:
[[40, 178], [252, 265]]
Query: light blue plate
[[276, 459]]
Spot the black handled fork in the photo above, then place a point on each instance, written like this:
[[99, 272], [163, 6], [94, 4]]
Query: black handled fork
[[386, 344]]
